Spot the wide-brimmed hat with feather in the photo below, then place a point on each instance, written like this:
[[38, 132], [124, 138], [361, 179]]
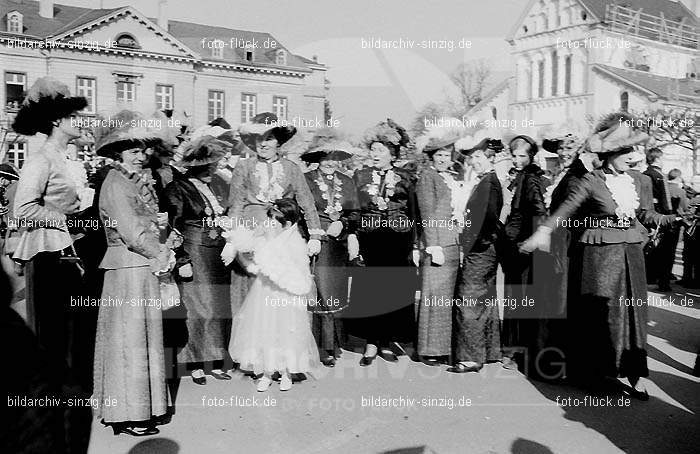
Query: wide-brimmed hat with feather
[[46, 101], [263, 126], [124, 130], [388, 133], [203, 151], [333, 149], [615, 139]]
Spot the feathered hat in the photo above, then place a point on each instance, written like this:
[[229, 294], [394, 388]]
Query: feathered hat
[[46, 101], [8, 171], [203, 151], [333, 149], [613, 134], [388, 133], [567, 141], [263, 126], [123, 130]]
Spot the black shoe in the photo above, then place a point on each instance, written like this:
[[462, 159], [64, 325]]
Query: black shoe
[[460, 368], [199, 380], [664, 288], [328, 361], [367, 360], [134, 431], [388, 355], [219, 376]]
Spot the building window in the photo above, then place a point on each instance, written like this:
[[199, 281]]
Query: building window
[[249, 54], [624, 101], [540, 80], [15, 85], [248, 107], [494, 113], [14, 22], [279, 107], [16, 154], [164, 97], [87, 88], [128, 41], [126, 91], [281, 57], [555, 73], [216, 104], [567, 75], [218, 50]]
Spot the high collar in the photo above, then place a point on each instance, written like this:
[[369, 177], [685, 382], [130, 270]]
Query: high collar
[[268, 161]]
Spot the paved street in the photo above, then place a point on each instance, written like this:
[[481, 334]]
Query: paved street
[[496, 411]]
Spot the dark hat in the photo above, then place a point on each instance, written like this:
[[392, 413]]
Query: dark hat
[[388, 133], [203, 151], [8, 171], [485, 144], [529, 140], [123, 131], [437, 143], [46, 101], [336, 150], [220, 122], [264, 126]]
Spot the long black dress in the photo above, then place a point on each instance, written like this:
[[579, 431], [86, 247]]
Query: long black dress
[[525, 274], [336, 200], [206, 294], [383, 297], [476, 323]]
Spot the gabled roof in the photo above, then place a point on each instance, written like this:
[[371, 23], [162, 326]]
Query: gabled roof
[[188, 36], [192, 35], [35, 25], [665, 88], [495, 91], [671, 10]]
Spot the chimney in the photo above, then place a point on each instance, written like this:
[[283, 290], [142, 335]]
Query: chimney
[[163, 14], [46, 9]]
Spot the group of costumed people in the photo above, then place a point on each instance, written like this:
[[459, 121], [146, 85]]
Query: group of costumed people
[[278, 268]]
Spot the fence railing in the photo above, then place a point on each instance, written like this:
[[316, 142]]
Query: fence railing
[[629, 21]]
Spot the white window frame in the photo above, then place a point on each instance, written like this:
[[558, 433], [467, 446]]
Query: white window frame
[[216, 100], [13, 152], [218, 50], [250, 49], [128, 96], [165, 96], [15, 22], [249, 106], [87, 87], [281, 57], [280, 107], [15, 78]]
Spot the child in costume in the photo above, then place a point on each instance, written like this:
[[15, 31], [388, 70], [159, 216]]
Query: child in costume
[[272, 331]]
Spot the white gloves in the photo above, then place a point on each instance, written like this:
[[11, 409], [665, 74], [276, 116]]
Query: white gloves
[[335, 228], [353, 246], [314, 247], [416, 257], [185, 270], [539, 240], [436, 254]]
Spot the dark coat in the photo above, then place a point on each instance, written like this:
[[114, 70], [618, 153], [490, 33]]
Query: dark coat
[[483, 210], [661, 198], [527, 206]]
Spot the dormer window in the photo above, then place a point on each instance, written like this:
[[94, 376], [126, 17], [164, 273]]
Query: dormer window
[[524, 28], [217, 51], [281, 57], [14, 22], [584, 16], [128, 41], [249, 54]]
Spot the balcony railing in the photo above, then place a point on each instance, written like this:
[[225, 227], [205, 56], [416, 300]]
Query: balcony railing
[[633, 22]]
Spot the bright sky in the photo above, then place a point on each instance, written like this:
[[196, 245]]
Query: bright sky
[[367, 84]]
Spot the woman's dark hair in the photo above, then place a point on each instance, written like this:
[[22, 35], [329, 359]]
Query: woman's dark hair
[[532, 145], [197, 170], [653, 154], [394, 150], [674, 173], [284, 210]]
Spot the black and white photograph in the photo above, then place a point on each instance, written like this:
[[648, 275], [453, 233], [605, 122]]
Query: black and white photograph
[[362, 227]]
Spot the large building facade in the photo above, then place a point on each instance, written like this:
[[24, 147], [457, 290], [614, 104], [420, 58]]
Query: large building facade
[[576, 60], [120, 58]]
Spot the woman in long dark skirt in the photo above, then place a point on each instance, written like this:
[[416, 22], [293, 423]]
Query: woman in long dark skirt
[[477, 327], [385, 287], [204, 280], [524, 274], [611, 310], [336, 201]]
